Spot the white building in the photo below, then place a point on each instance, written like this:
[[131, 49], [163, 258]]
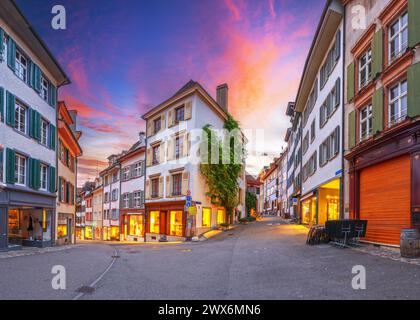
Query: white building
[[281, 180], [171, 178], [132, 211], [319, 99], [111, 199], [29, 77]]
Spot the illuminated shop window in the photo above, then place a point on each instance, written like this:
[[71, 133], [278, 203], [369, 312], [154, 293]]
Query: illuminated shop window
[[136, 225], [176, 223], [206, 217], [62, 230], [220, 216], [154, 222]]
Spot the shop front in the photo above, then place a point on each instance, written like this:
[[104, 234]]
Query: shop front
[[65, 228], [166, 221], [133, 226], [26, 219], [322, 204], [88, 232], [110, 233]]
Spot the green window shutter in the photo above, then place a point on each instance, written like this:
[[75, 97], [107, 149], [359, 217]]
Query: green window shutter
[[350, 82], [1, 44], [51, 185], [52, 139], [38, 126], [377, 52], [37, 78], [34, 173], [130, 200], [31, 169], [413, 75], [352, 129], [67, 192], [413, 23], [60, 183], [10, 166], [31, 113], [1, 104], [11, 54], [378, 111], [37, 174], [52, 95], [10, 109]]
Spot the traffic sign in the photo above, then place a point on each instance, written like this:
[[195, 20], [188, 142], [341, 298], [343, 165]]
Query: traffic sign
[[188, 198]]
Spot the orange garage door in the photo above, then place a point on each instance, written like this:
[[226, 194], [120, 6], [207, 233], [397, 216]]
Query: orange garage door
[[385, 200]]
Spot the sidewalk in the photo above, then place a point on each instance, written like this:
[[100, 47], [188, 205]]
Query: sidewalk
[[28, 251]]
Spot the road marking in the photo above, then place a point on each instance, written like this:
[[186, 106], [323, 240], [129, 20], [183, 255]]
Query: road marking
[[94, 283]]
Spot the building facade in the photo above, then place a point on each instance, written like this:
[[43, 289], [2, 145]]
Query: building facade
[[270, 189], [382, 145], [177, 207], [294, 159], [29, 77], [68, 152], [132, 211], [320, 102], [97, 212], [282, 199]]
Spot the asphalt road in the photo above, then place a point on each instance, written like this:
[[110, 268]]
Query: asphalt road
[[264, 260]]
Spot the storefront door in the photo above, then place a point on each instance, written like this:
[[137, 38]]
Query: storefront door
[[163, 222], [3, 228]]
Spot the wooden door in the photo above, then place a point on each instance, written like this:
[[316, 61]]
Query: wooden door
[[385, 199]]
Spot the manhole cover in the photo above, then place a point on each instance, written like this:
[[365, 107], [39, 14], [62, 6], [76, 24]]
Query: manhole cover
[[86, 289]]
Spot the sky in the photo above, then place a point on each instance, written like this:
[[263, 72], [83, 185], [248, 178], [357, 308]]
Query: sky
[[126, 56]]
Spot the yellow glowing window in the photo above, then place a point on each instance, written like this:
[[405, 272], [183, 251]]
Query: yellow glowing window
[[154, 222], [220, 216], [206, 217], [136, 226], [176, 223], [115, 232], [62, 230]]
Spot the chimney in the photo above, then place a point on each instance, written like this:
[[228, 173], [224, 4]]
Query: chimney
[[222, 96], [142, 134]]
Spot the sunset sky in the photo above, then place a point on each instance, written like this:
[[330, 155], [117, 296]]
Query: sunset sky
[[126, 56]]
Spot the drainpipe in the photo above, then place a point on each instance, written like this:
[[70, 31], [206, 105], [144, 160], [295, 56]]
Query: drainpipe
[[342, 185], [144, 185]]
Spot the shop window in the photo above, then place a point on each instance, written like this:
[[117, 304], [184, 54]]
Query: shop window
[[220, 216], [155, 222], [309, 211], [398, 103], [62, 230], [176, 223], [136, 225], [206, 218], [115, 233]]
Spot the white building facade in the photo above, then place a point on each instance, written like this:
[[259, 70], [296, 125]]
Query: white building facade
[[29, 77], [320, 100], [176, 203]]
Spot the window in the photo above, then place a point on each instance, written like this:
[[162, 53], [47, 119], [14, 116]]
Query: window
[[398, 103], [179, 144], [154, 222], [44, 132], [136, 225], [220, 216], [398, 37], [366, 122], [126, 200], [330, 104], [177, 184], [331, 60], [20, 169], [106, 197], [115, 176], [156, 155], [305, 143], [115, 214], [176, 223], [180, 114], [365, 68], [20, 118], [157, 125], [62, 190], [138, 169], [155, 188], [330, 147], [43, 177], [21, 66], [138, 201], [44, 88], [206, 218], [115, 195], [126, 173], [313, 131], [62, 230]]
